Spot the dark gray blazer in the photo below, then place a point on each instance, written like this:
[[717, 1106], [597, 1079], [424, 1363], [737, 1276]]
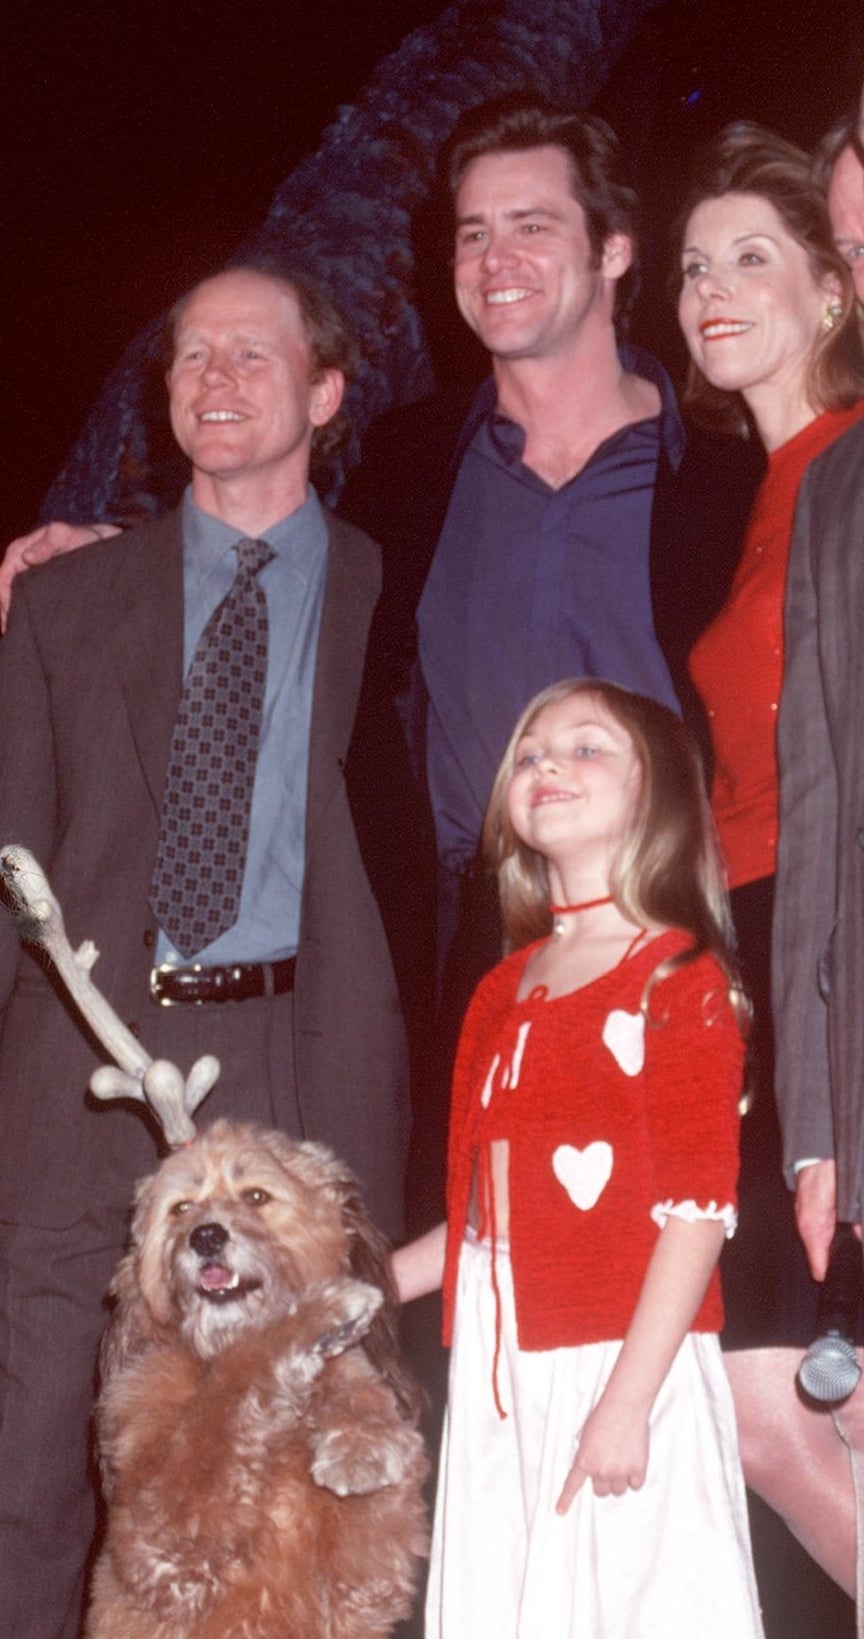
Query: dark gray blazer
[[90, 679], [819, 918]]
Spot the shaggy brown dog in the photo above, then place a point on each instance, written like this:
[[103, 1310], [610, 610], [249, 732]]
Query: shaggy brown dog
[[262, 1465]]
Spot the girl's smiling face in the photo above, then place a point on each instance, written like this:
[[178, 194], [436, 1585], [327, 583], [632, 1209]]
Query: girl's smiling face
[[575, 784]]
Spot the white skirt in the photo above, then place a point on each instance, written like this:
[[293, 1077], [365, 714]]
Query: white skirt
[[670, 1561]]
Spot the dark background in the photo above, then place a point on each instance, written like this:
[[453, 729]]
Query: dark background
[[145, 139]]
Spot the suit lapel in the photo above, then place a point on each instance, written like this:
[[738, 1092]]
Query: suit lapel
[[350, 594], [145, 600], [837, 523]]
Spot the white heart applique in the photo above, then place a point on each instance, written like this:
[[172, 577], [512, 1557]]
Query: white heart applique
[[583, 1173], [624, 1035]]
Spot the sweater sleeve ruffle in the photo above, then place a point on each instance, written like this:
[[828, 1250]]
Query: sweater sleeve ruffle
[[692, 1214]]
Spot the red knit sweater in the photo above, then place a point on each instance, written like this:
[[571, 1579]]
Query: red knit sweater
[[737, 664], [658, 1101]]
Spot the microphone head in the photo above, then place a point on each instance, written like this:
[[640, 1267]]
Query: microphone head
[[830, 1369]]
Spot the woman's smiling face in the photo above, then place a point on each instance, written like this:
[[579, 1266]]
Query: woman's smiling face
[[751, 307]]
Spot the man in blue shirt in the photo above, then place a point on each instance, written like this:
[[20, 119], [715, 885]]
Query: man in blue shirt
[[557, 522], [540, 526], [542, 566], [296, 997]]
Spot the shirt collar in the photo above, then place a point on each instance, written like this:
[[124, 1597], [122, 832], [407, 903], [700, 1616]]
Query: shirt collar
[[209, 540], [633, 359], [672, 434]]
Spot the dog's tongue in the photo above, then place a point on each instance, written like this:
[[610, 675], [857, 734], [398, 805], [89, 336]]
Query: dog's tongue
[[215, 1277]]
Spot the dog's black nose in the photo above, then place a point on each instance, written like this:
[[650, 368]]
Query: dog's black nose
[[208, 1239]]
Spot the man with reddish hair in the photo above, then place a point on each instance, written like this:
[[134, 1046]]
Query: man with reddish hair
[[292, 985]]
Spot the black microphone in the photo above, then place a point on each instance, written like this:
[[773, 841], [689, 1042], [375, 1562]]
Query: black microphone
[[830, 1369]]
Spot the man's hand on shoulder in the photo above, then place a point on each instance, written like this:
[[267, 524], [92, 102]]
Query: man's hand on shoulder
[[44, 543]]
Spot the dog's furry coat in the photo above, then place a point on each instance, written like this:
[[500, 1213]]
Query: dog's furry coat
[[262, 1464]]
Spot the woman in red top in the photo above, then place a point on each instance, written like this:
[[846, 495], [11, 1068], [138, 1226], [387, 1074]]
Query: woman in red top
[[767, 310], [589, 1479]]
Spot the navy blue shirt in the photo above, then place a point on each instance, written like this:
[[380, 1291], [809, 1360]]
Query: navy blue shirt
[[530, 584]]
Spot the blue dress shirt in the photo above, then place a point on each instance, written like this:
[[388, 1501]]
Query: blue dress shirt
[[269, 922], [530, 584]]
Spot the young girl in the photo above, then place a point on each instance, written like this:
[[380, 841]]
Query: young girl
[[589, 1482]]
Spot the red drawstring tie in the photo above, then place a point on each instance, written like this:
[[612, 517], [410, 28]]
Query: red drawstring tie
[[487, 1196]]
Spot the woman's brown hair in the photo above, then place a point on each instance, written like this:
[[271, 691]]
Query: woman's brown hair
[[747, 159]]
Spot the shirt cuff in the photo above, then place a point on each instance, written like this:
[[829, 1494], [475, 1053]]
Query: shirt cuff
[[691, 1213]]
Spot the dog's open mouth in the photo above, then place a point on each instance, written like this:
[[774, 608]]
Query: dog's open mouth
[[221, 1285]]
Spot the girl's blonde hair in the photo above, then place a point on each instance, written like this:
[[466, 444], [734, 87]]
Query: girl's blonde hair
[[667, 872]]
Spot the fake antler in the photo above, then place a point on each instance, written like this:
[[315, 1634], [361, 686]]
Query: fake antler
[[134, 1073]]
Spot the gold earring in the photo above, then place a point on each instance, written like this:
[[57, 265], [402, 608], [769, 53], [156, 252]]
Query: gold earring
[[832, 316]]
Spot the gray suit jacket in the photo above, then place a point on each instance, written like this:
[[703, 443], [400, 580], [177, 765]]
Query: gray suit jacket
[[90, 679], [818, 961]]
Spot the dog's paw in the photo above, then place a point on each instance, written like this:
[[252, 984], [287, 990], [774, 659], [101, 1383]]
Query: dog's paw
[[330, 1319], [354, 1461], [348, 1310]]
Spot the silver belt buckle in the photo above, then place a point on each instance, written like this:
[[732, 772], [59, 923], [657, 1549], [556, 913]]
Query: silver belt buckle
[[155, 975]]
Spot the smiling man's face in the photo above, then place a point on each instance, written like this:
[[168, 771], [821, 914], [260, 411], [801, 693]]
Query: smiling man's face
[[527, 278], [242, 399]]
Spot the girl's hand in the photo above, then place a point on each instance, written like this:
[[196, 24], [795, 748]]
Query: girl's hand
[[612, 1454], [613, 1445]]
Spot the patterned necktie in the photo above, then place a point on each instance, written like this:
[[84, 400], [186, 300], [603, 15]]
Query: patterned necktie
[[204, 831]]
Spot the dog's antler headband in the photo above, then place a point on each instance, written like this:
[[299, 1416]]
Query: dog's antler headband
[[134, 1073]]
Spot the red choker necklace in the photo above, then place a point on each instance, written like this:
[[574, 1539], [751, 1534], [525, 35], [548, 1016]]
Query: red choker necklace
[[586, 905]]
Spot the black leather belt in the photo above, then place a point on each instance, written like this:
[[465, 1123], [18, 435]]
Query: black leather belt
[[240, 983]]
